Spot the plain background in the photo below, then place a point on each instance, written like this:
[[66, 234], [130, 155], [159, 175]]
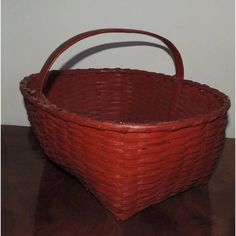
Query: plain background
[[202, 30]]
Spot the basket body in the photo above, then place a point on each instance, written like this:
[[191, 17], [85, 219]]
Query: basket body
[[128, 171], [133, 138]]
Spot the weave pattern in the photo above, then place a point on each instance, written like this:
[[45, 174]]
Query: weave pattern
[[129, 171], [132, 137]]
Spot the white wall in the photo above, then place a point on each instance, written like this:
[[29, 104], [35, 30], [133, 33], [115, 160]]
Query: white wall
[[202, 30]]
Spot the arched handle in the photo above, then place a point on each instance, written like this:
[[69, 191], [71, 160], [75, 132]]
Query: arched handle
[[58, 51]]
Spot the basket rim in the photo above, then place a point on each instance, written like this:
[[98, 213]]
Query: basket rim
[[42, 102]]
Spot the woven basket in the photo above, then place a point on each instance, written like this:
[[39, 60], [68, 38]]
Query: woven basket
[[134, 138]]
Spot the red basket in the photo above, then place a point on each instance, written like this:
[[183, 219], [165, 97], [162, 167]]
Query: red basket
[[134, 138]]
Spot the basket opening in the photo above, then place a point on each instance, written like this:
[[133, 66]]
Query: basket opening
[[127, 96]]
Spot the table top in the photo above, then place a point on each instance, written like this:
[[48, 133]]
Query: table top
[[39, 198]]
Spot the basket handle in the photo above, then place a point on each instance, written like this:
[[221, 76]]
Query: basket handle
[[58, 51]]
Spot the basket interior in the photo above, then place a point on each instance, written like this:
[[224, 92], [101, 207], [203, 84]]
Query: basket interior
[[128, 96]]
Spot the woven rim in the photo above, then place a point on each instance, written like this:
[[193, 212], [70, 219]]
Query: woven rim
[[54, 110]]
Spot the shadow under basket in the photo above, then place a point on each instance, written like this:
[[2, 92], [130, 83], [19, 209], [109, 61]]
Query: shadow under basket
[[133, 138]]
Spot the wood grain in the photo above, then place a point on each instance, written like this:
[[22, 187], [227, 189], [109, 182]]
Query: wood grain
[[39, 198]]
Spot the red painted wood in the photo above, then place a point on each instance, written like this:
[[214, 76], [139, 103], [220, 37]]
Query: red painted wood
[[59, 50], [133, 138]]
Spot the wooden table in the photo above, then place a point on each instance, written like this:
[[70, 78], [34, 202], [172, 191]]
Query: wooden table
[[39, 198]]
